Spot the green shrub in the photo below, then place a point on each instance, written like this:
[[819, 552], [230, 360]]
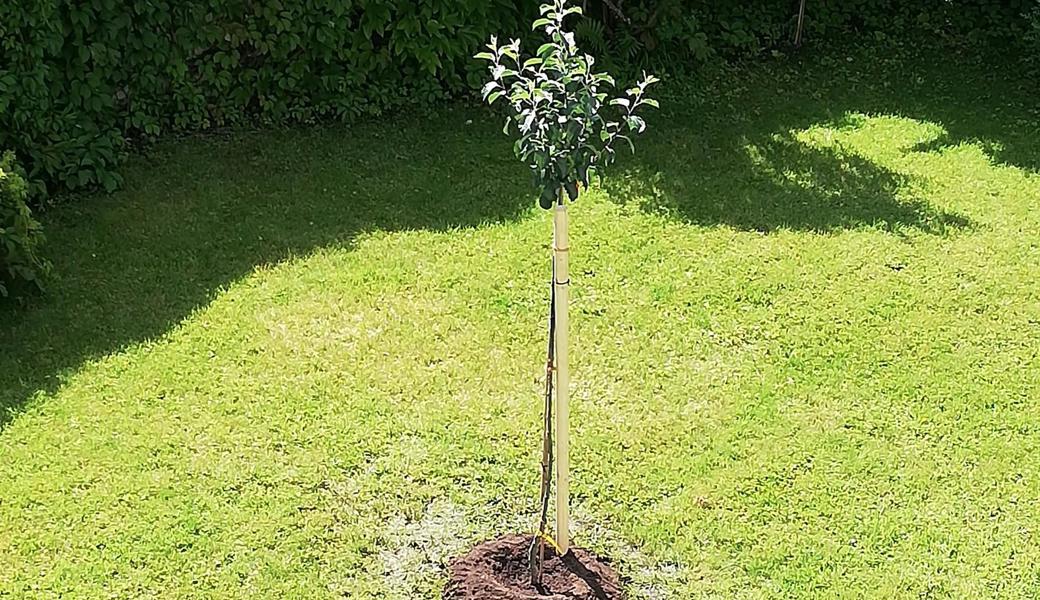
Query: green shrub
[[20, 234], [79, 77], [678, 34]]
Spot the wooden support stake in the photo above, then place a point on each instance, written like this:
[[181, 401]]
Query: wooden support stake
[[561, 245]]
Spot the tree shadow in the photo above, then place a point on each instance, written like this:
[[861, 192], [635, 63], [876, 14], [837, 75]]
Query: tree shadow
[[778, 182], [591, 579], [199, 215], [986, 97], [983, 94], [735, 157]]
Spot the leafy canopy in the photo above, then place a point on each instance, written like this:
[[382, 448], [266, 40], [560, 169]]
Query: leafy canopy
[[558, 106]]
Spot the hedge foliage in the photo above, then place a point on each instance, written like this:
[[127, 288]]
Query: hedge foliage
[[1031, 39], [683, 32], [79, 77], [20, 234]]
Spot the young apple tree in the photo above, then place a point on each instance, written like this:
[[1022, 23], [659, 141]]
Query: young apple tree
[[567, 123]]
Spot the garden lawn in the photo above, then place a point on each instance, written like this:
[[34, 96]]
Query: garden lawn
[[306, 364]]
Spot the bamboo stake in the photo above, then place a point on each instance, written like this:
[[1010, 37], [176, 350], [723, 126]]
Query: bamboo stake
[[562, 282]]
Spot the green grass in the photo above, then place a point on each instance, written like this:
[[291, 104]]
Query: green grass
[[806, 323]]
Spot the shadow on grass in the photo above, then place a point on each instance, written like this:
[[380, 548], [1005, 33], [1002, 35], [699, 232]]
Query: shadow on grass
[[201, 214], [780, 183], [736, 158], [207, 213]]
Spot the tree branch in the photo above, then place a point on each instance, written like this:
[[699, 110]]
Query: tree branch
[[617, 11]]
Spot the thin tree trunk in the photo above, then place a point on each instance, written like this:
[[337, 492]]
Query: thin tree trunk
[[801, 21], [536, 555]]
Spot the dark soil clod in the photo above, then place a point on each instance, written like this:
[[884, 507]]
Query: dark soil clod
[[497, 570]]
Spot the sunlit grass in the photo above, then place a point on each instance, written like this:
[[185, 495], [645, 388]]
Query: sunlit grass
[[306, 365]]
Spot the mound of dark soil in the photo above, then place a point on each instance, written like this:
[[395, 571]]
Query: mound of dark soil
[[497, 570]]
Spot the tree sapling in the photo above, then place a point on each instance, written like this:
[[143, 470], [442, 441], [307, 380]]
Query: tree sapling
[[566, 124]]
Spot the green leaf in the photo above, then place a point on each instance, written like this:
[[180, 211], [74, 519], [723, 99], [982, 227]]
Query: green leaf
[[635, 124], [547, 197], [541, 23], [572, 190]]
